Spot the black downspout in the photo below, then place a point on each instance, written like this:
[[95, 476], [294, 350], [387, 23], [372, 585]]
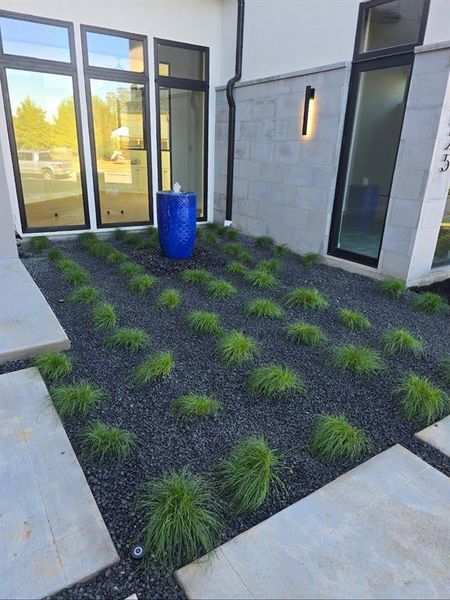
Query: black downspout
[[232, 109]]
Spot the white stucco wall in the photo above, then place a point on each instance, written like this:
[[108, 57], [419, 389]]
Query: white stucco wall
[[281, 36], [190, 21]]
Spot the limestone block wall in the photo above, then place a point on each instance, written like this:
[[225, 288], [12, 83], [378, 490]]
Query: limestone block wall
[[284, 182]]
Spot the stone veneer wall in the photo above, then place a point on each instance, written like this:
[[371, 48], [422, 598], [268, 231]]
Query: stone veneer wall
[[284, 182], [419, 188]]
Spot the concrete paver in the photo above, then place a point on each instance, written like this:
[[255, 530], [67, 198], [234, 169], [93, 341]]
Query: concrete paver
[[382, 530], [50, 526], [28, 325], [437, 435]]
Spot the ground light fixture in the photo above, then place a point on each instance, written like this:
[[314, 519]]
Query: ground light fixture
[[309, 95]]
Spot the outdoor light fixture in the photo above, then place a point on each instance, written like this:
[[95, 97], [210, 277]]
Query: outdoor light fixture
[[309, 95]]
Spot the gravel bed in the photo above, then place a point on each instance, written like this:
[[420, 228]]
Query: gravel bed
[[166, 442]]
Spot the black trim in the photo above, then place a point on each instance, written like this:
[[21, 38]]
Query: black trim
[[196, 85], [25, 63], [368, 61], [390, 50], [232, 109], [119, 76]]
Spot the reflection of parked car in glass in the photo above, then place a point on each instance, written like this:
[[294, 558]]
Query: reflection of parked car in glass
[[40, 163]]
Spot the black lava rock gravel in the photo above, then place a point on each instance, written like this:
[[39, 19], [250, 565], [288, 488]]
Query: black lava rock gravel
[[166, 442]]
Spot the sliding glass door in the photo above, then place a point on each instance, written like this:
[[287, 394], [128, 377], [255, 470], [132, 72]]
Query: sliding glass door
[[182, 105]]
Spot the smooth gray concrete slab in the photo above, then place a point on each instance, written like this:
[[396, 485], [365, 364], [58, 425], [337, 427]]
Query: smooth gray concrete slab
[[437, 435], [382, 530], [28, 325], [52, 534]]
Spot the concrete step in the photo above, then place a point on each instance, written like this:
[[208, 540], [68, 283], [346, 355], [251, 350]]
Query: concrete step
[[28, 325], [437, 435], [382, 530], [52, 534]]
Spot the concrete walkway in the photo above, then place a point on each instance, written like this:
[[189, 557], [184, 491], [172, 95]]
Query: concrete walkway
[[382, 530], [28, 325], [437, 435], [52, 534]]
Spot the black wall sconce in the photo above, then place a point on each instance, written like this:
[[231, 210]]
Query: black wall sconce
[[309, 95]]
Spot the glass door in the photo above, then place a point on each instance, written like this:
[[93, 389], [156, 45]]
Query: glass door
[[380, 95]]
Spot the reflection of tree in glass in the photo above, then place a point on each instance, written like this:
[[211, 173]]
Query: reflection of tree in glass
[[34, 132], [32, 129]]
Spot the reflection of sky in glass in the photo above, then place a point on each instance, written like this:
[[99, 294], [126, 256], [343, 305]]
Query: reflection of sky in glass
[[37, 40], [113, 52], [46, 90]]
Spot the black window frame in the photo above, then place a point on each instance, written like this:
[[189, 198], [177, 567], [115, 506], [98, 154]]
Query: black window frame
[[365, 61], [390, 50], [118, 75], [182, 83], [41, 65]]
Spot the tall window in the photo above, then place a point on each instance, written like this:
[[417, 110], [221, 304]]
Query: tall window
[[117, 93], [387, 33], [182, 84], [38, 74]]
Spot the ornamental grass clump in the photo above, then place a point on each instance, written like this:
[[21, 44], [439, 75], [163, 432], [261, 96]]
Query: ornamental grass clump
[[116, 257], [305, 333], [99, 249], [53, 365], [263, 307], [55, 254], [202, 321], [219, 288], [279, 251], [191, 406], [306, 298], [195, 276], [39, 243], [73, 272], [353, 319], [249, 472], [235, 347], [210, 237], [129, 268], [420, 400], [309, 259], [87, 238], [120, 235], [236, 267], [85, 294], [261, 279], [359, 359], [78, 399], [104, 315], [334, 438], [128, 338], [237, 251], [392, 287], [430, 303], [157, 366], [444, 368], [141, 283], [229, 233], [101, 441], [169, 298], [182, 518], [273, 381], [271, 265], [265, 242], [396, 341]]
